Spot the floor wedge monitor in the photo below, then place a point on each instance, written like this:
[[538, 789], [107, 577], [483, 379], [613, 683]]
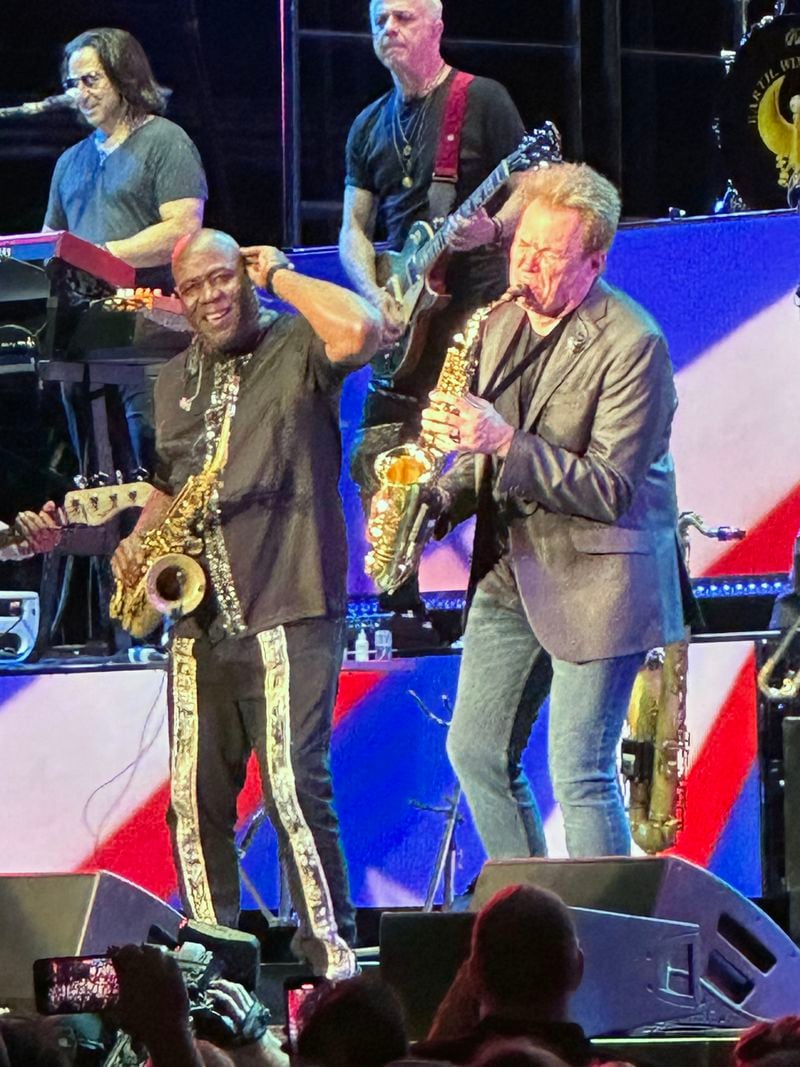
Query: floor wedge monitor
[[69, 915]]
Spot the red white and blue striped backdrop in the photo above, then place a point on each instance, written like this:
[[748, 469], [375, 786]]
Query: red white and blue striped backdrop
[[85, 752]]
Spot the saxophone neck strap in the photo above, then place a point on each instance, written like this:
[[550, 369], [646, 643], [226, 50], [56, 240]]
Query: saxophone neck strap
[[500, 381]]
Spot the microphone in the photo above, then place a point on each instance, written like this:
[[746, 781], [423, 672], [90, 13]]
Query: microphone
[[38, 107]]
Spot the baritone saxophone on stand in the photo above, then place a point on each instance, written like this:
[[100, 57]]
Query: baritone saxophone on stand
[[655, 754], [171, 582], [400, 523]]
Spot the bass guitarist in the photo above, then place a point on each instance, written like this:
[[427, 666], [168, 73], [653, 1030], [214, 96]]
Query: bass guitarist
[[392, 150], [30, 533]]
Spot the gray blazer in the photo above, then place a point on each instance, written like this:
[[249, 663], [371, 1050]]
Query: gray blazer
[[588, 484]]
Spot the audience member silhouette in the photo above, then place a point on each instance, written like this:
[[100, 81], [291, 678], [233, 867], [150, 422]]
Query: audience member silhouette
[[516, 1052], [358, 1022], [770, 1044], [524, 965]]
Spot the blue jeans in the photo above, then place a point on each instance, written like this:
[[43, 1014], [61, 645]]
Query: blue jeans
[[504, 678]]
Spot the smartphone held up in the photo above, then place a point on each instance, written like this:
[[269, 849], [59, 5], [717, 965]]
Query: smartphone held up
[[68, 984]]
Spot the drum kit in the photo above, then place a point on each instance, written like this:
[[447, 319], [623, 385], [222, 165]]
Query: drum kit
[[759, 113]]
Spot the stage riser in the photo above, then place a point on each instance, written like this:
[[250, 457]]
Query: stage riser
[[72, 733]]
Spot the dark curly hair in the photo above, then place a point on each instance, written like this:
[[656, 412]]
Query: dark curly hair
[[125, 65]]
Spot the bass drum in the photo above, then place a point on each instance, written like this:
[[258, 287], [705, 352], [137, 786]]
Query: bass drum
[[759, 113]]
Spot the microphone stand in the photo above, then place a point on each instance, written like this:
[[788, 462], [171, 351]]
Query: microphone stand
[[37, 107]]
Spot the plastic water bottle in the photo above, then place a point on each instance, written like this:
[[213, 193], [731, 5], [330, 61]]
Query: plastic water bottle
[[362, 646], [383, 644]]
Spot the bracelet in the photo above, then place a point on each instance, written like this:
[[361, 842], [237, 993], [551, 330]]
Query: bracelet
[[271, 274], [498, 229]]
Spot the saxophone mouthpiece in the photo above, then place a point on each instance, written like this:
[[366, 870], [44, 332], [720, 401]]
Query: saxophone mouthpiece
[[513, 292]]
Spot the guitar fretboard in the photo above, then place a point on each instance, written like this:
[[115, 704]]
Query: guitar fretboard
[[430, 252]]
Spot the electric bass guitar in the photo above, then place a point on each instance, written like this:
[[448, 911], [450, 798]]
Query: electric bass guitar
[[408, 275], [91, 507]]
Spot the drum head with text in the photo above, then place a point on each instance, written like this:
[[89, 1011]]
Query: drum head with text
[[759, 114]]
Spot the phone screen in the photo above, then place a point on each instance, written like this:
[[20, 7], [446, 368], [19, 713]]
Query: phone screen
[[65, 985], [295, 992]]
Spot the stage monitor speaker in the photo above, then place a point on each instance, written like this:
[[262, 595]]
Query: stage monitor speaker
[[654, 974], [748, 967], [19, 626], [69, 915]]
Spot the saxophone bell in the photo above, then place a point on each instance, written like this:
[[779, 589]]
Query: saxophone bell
[[175, 585]]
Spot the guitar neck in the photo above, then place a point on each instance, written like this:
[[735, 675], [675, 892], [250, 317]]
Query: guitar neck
[[430, 252]]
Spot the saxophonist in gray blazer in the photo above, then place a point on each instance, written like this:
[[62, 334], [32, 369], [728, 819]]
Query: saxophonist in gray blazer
[[563, 455]]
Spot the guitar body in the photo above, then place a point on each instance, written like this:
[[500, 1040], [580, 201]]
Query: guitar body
[[419, 295], [413, 275]]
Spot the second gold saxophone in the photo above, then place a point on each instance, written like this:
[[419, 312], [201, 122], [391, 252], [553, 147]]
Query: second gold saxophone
[[171, 583], [400, 522]]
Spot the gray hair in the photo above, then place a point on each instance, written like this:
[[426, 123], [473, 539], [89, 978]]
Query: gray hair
[[580, 187], [434, 7]]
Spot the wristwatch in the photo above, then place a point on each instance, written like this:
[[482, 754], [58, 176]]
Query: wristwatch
[[271, 274]]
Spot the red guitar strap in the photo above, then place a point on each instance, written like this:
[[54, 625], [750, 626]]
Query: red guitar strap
[[445, 169], [442, 193]]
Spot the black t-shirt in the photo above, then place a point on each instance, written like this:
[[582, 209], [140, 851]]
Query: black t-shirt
[[108, 198], [275, 548], [491, 131]]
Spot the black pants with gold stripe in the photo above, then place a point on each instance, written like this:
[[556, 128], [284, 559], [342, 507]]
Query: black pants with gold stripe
[[272, 694]]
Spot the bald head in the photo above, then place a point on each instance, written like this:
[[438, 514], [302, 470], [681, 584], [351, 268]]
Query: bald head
[[211, 280], [202, 241]]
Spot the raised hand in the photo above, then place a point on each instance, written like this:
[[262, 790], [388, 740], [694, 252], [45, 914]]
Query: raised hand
[[260, 260]]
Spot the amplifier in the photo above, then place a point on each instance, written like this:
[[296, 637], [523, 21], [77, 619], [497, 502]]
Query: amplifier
[[19, 626], [740, 603]]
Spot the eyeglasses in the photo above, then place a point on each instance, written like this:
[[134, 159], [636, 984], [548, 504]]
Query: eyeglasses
[[191, 291], [88, 81]]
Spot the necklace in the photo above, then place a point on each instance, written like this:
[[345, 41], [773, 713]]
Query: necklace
[[405, 138]]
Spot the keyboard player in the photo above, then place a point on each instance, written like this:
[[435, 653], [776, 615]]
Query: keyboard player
[[134, 186]]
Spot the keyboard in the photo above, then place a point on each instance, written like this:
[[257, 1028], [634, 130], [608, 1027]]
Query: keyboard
[[36, 248]]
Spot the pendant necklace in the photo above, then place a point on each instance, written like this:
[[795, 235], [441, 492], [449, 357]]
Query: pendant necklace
[[406, 138]]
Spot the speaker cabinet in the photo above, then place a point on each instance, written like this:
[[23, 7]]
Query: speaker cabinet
[[654, 973], [69, 915], [748, 967]]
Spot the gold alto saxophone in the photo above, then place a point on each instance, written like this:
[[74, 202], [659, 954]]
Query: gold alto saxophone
[[171, 582], [400, 523]]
